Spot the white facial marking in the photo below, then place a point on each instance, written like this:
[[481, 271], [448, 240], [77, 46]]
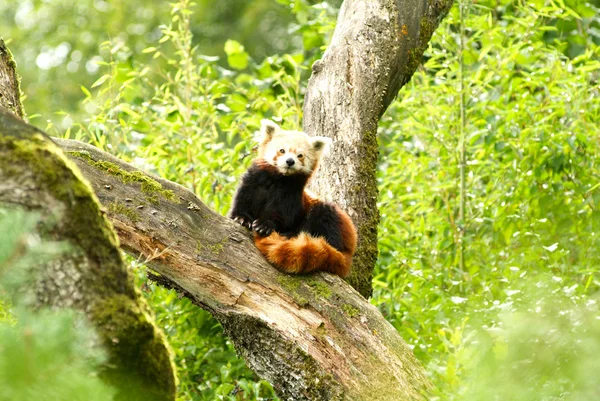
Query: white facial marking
[[293, 152]]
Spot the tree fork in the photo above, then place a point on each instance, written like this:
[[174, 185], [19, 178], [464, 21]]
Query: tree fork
[[312, 336], [375, 49]]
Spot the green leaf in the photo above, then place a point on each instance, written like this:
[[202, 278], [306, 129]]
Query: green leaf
[[101, 80], [237, 58], [87, 93]]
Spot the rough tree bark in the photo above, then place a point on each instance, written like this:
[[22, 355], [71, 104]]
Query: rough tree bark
[[376, 47], [91, 277], [10, 94], [313, 337]]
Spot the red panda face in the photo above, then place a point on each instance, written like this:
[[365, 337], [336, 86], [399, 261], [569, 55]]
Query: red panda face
[[292, 152]]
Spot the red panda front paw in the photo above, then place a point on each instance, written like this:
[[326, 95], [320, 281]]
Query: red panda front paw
[[243, 221], [264, 228]]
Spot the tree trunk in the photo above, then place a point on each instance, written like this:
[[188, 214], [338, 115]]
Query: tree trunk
[[91, 277], [313, 336], [376, 47]]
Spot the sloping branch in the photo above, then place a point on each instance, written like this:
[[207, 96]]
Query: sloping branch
[[376, 47], [313, 337]]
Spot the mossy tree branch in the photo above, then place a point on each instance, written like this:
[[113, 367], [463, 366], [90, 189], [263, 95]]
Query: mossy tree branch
[[313, 337], [90, 277], [376, 48]]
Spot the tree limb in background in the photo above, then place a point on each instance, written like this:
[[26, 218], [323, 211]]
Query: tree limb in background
[[376, 47], [313, 337], [10, 93]]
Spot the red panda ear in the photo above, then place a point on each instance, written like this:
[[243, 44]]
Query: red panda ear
[[267, 130], [321, 144]]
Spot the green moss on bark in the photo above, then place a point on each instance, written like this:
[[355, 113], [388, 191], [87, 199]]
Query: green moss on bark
[[126, 329], [7, 58], [365, 257], [350, 310], [82, 224], [427, 26], [292, 284], [119, 208], [148, 185], [319, 288], [214, 249]]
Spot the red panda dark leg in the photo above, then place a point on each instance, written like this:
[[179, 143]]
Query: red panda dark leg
[[331, 223]]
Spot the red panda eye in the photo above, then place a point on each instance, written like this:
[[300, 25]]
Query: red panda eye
[[282, 151], [300, 156]]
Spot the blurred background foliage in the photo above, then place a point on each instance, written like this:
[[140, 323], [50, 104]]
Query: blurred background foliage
[[178, 90], [44, 354]]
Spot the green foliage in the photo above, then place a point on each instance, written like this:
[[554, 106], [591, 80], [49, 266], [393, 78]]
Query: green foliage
[[545, 349], [315, 22], [191, 121], [5, 315], [237, 57], [531, 199], [572, 25], [174, 106], [47, 355], [56, 43], [44, 354]]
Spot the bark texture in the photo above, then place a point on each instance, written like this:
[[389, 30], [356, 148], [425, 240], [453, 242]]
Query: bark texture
[[10, 94], [375, 49], [91, 277], [313, 337]]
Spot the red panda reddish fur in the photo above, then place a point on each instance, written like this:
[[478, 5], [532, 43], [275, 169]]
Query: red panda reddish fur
[[305, 253], [295, 231]]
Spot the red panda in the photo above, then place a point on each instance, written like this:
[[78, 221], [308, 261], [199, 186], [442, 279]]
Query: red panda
[[296, 232]]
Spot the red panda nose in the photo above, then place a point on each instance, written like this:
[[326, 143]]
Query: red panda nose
[[290, 162]]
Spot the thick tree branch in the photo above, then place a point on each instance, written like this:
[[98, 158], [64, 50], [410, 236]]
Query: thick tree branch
[[91, 277], [376, 47], [313, 337]]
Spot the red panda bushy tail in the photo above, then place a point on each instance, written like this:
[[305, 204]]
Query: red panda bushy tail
[[303, 254]]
